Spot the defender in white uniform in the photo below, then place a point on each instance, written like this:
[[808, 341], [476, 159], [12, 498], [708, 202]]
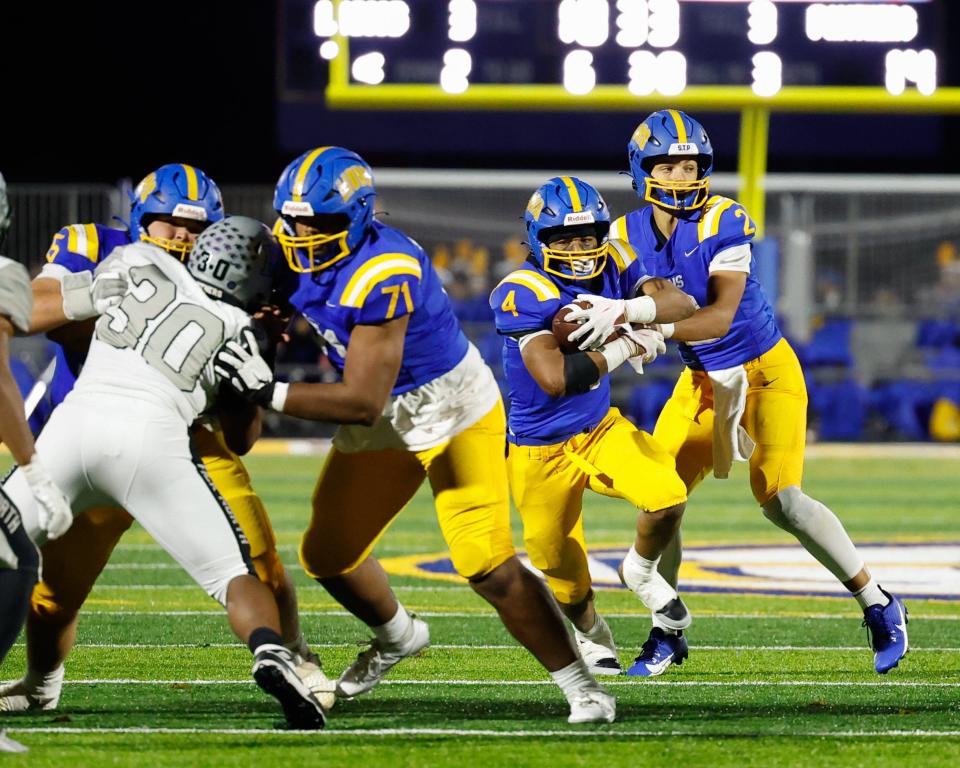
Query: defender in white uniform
[[121, 436]]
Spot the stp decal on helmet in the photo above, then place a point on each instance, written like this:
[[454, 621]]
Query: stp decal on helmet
[[174, 190], [329, 182], [669, 135], [567, 206]]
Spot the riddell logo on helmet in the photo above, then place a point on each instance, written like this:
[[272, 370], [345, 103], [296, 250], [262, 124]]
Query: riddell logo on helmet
[[291, 208], [194, 212], [578, 218]]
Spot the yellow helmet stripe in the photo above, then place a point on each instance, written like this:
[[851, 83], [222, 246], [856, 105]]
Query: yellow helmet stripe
[[193, 188], [303, 170], [574, 194], [678, 122]]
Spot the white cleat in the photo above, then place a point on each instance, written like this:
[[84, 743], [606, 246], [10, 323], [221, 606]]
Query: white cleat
[[598, 650], [9, 745], [372, 664], [322, 686], [592, 705], [19, 697]]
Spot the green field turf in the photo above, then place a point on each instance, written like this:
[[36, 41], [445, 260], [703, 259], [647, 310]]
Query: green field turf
[[157, 678]]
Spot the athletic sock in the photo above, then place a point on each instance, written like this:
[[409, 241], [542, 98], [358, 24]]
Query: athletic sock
[[45, 685], [396, 632], [263, 636], [599, 629], [871, 595], [573, 678], [638, 565]]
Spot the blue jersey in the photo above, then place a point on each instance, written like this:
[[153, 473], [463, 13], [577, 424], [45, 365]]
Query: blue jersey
[[714, 241], [525, 302], [77, 248], [386, 277]]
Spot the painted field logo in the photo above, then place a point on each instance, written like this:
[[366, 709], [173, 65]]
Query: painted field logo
[[925, 570]]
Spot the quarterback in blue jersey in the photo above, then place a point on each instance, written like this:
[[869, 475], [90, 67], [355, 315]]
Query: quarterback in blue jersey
[[170, 207], [742, 394], [564, 437], [416, 402]]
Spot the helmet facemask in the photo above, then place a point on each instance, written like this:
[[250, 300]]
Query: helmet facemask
[[575, 265], [679, 198], [312, 253]]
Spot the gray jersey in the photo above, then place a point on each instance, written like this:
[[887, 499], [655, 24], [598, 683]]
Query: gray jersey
[[16, 296], [158, 344]]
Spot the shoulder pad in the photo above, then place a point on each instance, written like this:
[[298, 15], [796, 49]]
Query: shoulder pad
[[79, 239], [373, 272], [618, 230], [537, 284], [622, 253], [716, 218]]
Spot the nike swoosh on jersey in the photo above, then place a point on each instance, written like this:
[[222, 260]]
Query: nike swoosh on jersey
[[691, 251]]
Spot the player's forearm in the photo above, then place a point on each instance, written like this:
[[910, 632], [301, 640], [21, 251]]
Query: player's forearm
[[672, 304], [48, 313], [14, 432], [710, 322], [240, 421], [335, 402]]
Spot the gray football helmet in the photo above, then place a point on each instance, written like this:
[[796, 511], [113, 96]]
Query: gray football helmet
[[233, 261], [5, 216]]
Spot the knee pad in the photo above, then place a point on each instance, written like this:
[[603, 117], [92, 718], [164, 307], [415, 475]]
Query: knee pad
[[270, 569]]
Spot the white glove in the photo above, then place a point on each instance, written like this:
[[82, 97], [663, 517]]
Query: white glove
[[650, 342], [85, 296], [596, 322], [55, 515], [240, 364]]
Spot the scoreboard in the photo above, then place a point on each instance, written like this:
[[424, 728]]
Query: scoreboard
[[572, 54]]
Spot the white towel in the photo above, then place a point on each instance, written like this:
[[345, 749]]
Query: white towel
[[730, 440]]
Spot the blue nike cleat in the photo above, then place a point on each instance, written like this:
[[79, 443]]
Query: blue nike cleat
[[887, 627], [658, 653]]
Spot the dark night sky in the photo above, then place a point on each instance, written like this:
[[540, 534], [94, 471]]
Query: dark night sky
[[94, 91]]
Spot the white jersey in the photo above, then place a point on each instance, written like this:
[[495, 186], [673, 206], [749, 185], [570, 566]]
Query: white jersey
[[16, 296], [158, 345]]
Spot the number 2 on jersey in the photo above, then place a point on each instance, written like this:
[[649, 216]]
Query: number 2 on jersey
[[747, 229]]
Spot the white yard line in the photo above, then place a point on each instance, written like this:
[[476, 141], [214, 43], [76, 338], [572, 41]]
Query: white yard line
[[600, 732], [516, 683], [486, 647], [491, 615]]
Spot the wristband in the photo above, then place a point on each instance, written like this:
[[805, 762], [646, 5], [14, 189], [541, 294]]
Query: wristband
[[667, 329], [279, 397], [642, 309], [617, 352]]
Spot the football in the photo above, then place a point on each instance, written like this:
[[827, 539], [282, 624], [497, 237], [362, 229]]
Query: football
[[562, 328]]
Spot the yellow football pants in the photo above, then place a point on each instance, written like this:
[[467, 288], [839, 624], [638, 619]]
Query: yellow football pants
[[72, 563], [775, 417], [359, 494], [615, 459]]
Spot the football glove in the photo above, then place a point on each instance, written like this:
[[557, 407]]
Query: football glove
[[596, 322], [53, 509], [651, 345], [85, 296], [241, 365]]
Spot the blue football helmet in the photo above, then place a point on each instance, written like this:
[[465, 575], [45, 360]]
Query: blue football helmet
[[670, 135], [567, 206], [174, 190], [324, 182]]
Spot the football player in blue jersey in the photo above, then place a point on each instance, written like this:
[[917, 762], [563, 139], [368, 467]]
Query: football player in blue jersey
[[170, 208], [742, 394], [564, 437], [415, 401]]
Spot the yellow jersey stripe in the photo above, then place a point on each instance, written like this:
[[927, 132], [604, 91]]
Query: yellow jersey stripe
[[678, 122], [618, 230], [710, 223], [574, 194], [303, 170], [622, 253], [93, 241], [374, 271], [74, 233], [542, 288], [193, 188]]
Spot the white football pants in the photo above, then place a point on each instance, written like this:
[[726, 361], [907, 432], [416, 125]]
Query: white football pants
[[136, 455]]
